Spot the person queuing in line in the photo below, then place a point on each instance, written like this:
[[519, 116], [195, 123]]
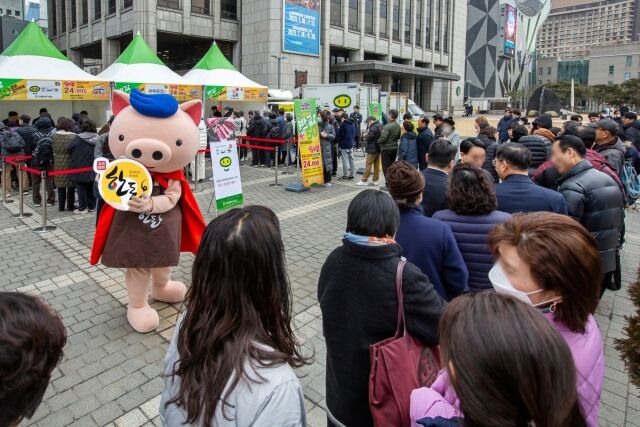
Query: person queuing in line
[[503, 125], [231, 358], [81, 150], [66, 187], [539, 145], [547, 175], [327, 136], [11, 144], [426, 242], [593, 199], [472, 214], [517, 193], [437, 124], [609, 145], [26, 131], [479, 123], [335, 119], [77, 121], [281, 149], [408, 148], [504, 365], [472, 152], [289, 137], [448, 130], [551, 262], [32, 338], [593, 117], [355, 316], [576, 118], [441, 159], [240, 130], [347, 134], [227, 111], [630, 128], [42, 152], [373, 160], [424, 140], [12, 120], [388, 142], [255, 129], [488, 135]]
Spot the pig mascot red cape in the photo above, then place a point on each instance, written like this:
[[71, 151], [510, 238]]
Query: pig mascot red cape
[[147, 240]]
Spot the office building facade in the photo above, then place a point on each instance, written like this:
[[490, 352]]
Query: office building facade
[[403, 45], [14, 8]]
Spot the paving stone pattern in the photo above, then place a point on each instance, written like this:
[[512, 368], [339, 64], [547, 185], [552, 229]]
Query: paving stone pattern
[[111, 375]]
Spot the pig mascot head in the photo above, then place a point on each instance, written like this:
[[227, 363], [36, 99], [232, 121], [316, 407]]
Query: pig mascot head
[[154, 130], [147, 239]]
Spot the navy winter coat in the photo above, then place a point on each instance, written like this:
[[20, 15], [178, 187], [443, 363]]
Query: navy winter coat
[[425, 138], [346, 135], [471, 233], [408, 149], [519, 194], [540, 148], [429, 244]]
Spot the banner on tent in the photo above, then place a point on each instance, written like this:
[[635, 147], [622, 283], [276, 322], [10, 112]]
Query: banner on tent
[[309, 141], [65, 90], [180, 92], [227, 183], [301, 27], [230, 93]]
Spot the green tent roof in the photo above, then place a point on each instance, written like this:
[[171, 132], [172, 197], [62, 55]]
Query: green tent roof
[[214, 59], [32, 41], [138, 52]]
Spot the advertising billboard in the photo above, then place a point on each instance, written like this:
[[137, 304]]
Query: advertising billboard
[[510, 27], [301, 27]]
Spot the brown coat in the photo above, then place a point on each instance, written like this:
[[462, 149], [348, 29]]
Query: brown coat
[[62, 158]]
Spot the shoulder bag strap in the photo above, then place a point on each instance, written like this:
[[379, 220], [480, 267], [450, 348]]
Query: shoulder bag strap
[[400, 326]]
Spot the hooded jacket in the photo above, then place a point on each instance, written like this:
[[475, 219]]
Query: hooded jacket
[[409, 149], [255, 128], [614, 153], [81, 150], [26, 133], [540, 148], [631, 133], [373, 134], [594, 200], [346, 135]]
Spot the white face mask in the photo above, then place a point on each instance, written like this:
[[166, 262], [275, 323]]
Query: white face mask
[[446, 130], [502, 286]]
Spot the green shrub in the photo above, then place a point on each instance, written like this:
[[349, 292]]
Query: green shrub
[[629, 347]]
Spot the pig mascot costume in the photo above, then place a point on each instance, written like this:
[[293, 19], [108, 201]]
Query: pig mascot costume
[[147, 240]]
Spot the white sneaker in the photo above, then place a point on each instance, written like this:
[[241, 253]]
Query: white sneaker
[[374, 183], [361, 183], [328, 184]]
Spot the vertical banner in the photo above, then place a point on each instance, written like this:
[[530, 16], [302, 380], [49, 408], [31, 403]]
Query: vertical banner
[[308, 141], [301, 27], [375, 110], [226, 168]]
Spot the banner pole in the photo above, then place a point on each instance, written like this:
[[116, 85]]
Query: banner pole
[[22, 214], [275, 155], [43, 189]]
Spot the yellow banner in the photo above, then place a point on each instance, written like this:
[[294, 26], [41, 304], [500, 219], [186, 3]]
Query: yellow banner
[[179, 92], [230, 93], [66, 90], [309, 142]]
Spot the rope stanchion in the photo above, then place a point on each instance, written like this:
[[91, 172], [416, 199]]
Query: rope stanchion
[[43, 188], [5, 175], [22, 213]]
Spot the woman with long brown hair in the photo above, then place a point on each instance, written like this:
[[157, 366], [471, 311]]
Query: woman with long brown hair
[[505, 365], [230, 360]]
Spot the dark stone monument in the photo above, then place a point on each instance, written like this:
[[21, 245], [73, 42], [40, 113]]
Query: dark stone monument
[[544, 101]]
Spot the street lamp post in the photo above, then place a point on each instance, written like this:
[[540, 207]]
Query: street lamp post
[[279, 59]]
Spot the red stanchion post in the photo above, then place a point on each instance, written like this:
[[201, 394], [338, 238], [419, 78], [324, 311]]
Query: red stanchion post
[[43, 188], [21, 213]]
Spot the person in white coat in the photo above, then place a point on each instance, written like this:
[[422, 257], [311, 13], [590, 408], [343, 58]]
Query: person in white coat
[[200, 157]]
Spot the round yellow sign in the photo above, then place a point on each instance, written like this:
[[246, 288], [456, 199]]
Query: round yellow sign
[[122, 179]]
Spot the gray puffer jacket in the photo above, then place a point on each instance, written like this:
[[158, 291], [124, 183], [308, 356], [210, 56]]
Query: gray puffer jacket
[[594, 199], [614, 153]]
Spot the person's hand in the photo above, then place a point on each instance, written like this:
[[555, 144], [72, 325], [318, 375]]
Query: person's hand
[[323, 134], [140, 204]]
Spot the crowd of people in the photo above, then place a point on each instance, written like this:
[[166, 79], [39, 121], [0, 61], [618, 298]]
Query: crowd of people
[[502, 243]]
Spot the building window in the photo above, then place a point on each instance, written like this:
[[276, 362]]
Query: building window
[[427, 27], [436, 25], [338, 56], [354, 21], [111, 7], [418, 23], [97, 9], [73, 14], [9, 12], [627, 76], [54, 17], [85, 12], [548, 71], [126, 4], [383, 19], [611, 69], [229, 9], [368, 17], [336, 13], [540, 71], [17, 13], [201, 6], [169, 4], [63, 15], [445, 42], [408, 16], [396, 20], [629, 60]]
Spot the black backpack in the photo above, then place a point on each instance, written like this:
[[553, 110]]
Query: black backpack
[[275, 132], [12, 142], [43, 153]]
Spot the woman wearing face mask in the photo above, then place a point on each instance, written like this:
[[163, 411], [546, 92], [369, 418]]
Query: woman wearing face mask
[[520, 371], [550, 261]]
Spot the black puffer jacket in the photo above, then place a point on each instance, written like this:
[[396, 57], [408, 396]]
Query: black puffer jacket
[[540, 148], [491, 146], [375, 130], [614, 153], [631, 132], [594, 199], [81, 150]]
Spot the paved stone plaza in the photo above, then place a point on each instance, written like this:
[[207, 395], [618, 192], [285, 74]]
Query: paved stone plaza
[[111, 375]]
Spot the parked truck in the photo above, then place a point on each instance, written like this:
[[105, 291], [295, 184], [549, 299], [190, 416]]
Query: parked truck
[[343, 95]]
